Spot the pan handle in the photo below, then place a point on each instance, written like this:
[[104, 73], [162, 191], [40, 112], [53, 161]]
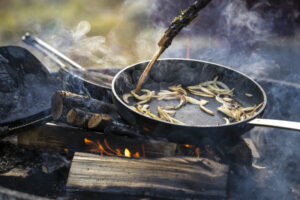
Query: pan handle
[[276, 123], [39, 44]]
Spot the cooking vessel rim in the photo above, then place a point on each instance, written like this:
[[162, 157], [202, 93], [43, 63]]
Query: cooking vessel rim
[[191, 126]]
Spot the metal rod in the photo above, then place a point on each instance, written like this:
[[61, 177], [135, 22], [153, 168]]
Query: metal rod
[[52, 57], [276, 123], [34, 41]]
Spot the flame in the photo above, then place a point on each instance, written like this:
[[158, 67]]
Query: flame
[[102, 150], [97, 147], [187, 145], [87, 141], [66, 150], [118, 152], [127, 153], [137, 154], [197, 151]]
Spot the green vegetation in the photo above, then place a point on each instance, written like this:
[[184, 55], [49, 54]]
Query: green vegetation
[[120, 22]]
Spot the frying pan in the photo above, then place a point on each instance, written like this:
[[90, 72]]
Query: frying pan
[[25, 90], [188, 72], [73, 76], [199, 125]]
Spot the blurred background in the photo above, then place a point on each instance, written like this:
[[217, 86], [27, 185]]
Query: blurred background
[[93, 32], [116, 33]]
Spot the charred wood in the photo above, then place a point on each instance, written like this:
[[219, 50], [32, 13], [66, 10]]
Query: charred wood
[[63, 138], [184, 19], [83, 119], [64, 101]]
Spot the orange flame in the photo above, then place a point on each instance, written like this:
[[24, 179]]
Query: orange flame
[[187, 145], [102, 150], [66, 150], [118, 152], [97, 147], [127, 153], [197, 151], [87, 141], [137, 154]]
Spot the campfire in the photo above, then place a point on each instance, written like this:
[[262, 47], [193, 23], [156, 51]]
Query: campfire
[[136, 133]]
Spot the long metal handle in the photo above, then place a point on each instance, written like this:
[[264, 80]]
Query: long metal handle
[[276, 123], [38, 43]]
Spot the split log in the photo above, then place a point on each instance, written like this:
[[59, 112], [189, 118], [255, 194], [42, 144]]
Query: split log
[[64, 101], [172, 178]]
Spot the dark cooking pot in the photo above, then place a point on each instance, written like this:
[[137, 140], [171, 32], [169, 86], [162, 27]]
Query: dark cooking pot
[[167, 72]]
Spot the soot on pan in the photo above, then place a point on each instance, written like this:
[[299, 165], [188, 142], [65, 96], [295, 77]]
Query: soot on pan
[[25, 87]]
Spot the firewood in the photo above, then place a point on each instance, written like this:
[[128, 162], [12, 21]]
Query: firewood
[[60, 137], [78, 117], [83, 119], [170, 177], [64, 101]]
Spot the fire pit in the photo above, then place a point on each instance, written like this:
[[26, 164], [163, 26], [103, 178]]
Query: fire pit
[[74, 163], [85, 150]]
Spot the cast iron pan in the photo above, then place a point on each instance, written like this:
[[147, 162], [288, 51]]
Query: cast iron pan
[[169, 72], [25, 90]]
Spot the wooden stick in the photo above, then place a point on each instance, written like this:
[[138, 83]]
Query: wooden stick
[[175, 27], [148, 68]]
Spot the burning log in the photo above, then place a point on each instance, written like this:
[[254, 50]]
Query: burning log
[[64, 101], [60, 137], [177, 177]]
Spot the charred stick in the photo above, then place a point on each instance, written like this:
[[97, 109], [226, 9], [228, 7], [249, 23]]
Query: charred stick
[[64, 101], [184, 19]]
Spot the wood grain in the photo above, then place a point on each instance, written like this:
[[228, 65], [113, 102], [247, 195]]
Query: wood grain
[[169, 177]]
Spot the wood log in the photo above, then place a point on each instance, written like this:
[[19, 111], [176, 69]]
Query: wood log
[[172, 178], [64, 101], [99, 122], [83, 119], [62, 137]]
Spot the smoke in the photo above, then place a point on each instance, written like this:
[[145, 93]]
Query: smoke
[[88, 51], [259, 40]]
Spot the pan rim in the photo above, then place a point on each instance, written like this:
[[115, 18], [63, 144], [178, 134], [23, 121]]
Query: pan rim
[[191, 126]]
